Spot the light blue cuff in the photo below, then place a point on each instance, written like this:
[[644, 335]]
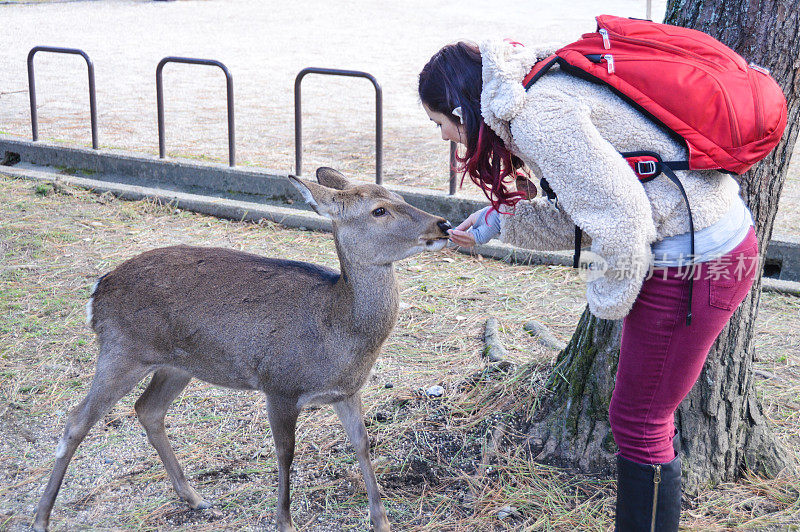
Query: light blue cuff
[[486, 227]]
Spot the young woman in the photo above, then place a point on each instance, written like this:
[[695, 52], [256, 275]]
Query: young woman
[[570, 131]]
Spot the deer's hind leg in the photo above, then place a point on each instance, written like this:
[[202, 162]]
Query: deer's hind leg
[[164, 387], [116, 374]]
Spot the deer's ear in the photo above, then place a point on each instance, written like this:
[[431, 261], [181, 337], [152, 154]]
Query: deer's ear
[[332, 178], [320, 198]]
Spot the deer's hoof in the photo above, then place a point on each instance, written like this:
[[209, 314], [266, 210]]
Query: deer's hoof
[[202, 505], [381, 526], [40, 522], [196, 502]]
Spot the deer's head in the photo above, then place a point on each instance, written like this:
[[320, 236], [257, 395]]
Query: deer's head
[[371, 224]]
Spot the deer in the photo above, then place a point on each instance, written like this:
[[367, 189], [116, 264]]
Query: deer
[[301, 333]]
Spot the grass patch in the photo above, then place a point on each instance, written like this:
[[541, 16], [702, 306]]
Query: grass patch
[[71, 170]]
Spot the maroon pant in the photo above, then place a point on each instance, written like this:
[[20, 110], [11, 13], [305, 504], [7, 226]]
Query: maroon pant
[[661, 357]]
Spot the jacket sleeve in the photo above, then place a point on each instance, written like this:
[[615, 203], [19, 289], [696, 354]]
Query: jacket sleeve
[[596, 188], [537, 224]]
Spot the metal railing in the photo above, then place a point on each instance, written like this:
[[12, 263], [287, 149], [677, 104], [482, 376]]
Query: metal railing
[[32, 88], [298, 119], [453, 148], [160, 102], [230, 107], [231, 125]]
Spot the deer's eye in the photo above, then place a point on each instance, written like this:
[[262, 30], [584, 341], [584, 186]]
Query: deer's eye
[[380, 211]]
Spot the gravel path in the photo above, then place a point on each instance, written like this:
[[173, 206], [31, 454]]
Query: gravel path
[[265, 45]]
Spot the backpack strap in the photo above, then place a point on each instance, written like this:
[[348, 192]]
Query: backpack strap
[[672, 177], [540, 69], [551, 196], [548, 192], [648, 165], [576, 256]]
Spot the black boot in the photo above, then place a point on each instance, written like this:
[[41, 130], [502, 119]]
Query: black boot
[[648, 496]]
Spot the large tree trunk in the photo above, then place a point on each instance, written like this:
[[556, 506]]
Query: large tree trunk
[[722, 428], [721, 422]]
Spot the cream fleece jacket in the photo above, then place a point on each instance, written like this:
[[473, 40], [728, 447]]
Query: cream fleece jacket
[[570, 131]]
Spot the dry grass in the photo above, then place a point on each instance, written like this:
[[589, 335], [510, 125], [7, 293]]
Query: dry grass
[[444, 464]]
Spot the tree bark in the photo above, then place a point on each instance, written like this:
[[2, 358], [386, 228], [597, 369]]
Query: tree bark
[[721, 424], [722, 427], [571, 428]]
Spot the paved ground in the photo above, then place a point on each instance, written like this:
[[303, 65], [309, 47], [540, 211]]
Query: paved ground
[[265, 47]]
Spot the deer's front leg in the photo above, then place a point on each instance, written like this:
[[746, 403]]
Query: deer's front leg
[[282, 420], [351, 415]]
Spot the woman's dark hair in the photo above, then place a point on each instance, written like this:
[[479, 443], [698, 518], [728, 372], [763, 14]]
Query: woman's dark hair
[[452, 78]]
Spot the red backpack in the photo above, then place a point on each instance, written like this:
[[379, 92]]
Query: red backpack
[[729, 114]]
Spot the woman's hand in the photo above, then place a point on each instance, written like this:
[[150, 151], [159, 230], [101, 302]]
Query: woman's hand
[[460, 236], [480, 227]]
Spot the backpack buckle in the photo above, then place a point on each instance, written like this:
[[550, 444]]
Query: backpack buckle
[[647, 165], [646, 168]]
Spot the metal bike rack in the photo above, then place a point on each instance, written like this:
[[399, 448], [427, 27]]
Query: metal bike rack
[[453, 147], [160, 102], [298, 119], [32, 88]]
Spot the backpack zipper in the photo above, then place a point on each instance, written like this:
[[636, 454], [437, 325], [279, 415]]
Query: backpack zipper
[[608, 35], [609, 59], [656, 482], [604, 34]]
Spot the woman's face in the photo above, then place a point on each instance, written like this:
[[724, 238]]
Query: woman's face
[[450, 130]]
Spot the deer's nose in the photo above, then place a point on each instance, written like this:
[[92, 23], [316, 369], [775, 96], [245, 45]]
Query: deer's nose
[[444, 225]]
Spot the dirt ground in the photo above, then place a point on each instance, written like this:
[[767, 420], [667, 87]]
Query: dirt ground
[[435, 464], [265, 47]]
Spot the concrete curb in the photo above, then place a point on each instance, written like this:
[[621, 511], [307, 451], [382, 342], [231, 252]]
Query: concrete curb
[[791, 288], [248, 184], [292, 217], [220, 207]]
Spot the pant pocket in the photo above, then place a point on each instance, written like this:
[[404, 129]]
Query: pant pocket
[[728, 289]]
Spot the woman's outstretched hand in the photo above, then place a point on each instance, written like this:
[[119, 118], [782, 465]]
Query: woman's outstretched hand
[[480, 227], [460, 236]]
